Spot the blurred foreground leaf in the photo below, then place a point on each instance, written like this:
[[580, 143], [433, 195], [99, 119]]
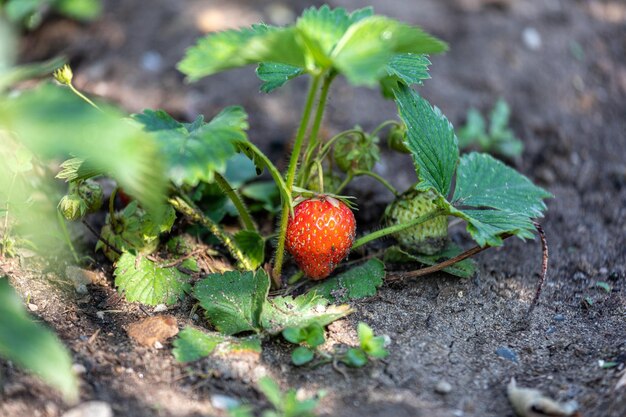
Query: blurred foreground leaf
[[32, 346]]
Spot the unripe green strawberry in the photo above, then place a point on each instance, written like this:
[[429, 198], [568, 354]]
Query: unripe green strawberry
[[72, 207], [356, 152], [396, 138], [427, 238], [91, 193], [320, 234]]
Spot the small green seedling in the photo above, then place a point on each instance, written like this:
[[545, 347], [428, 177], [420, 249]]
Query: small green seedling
[[497, 138], [283, 404], [370, 347]]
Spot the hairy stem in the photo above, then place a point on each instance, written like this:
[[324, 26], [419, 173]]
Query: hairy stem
[[291, 174], [317, 123], [345, 182], [66, 236], [189, 210], [234, 196], [397, 228], [379, 179]]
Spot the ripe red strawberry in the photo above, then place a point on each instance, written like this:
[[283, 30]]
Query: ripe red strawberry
[[320, 234]]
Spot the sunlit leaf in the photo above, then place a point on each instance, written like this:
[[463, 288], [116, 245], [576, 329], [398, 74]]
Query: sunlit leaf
[[193, 344], [358, 282], [143, 280], [233, 301], [304, 310], [368, 46]]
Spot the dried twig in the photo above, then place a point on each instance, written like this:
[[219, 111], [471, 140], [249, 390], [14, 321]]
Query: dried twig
[[100, 238], [544, 266], [398, 276]]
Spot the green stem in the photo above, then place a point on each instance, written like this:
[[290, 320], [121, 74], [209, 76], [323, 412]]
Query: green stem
[[397, 228], [112, 208], [234, 196], [384, 125], [320, 175], [189, 210], [329, 143], [379, 179], [317, 123], [66, 236], [84, 97], [345, 182], [291, 174]]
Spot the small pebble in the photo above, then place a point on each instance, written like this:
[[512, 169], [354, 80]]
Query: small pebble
[[223, 402], [159, 308], [551, 330], [558, 317], [506, 353], [79, 369], [604, 270], [90, 409], [531, 38], [152, 61], [100, 315], [443, 388], [33, 307]]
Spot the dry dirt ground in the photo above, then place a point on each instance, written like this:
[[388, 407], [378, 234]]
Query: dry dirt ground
[[568, 95]]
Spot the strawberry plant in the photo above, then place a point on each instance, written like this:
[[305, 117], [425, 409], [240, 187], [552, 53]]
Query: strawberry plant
[[185, 177]]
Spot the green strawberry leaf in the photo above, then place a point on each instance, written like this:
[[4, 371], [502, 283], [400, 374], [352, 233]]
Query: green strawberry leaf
[[233, 301], [302, 311], [464, 269], [355, 358], [237, 48], [358, 45], [431, 140], [195, 151], [134, 230], [32, 346], [358, 282], [302, 355], [410, 69], [261, 161], [265, 192], [143, 280], [368, 46], [488, 226], [253, 245], [324, 27], [493, 198], [484, 182], [193, 344], [276, 75]]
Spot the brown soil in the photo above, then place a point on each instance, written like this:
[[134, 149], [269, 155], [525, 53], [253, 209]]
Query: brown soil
[[568, 107]]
